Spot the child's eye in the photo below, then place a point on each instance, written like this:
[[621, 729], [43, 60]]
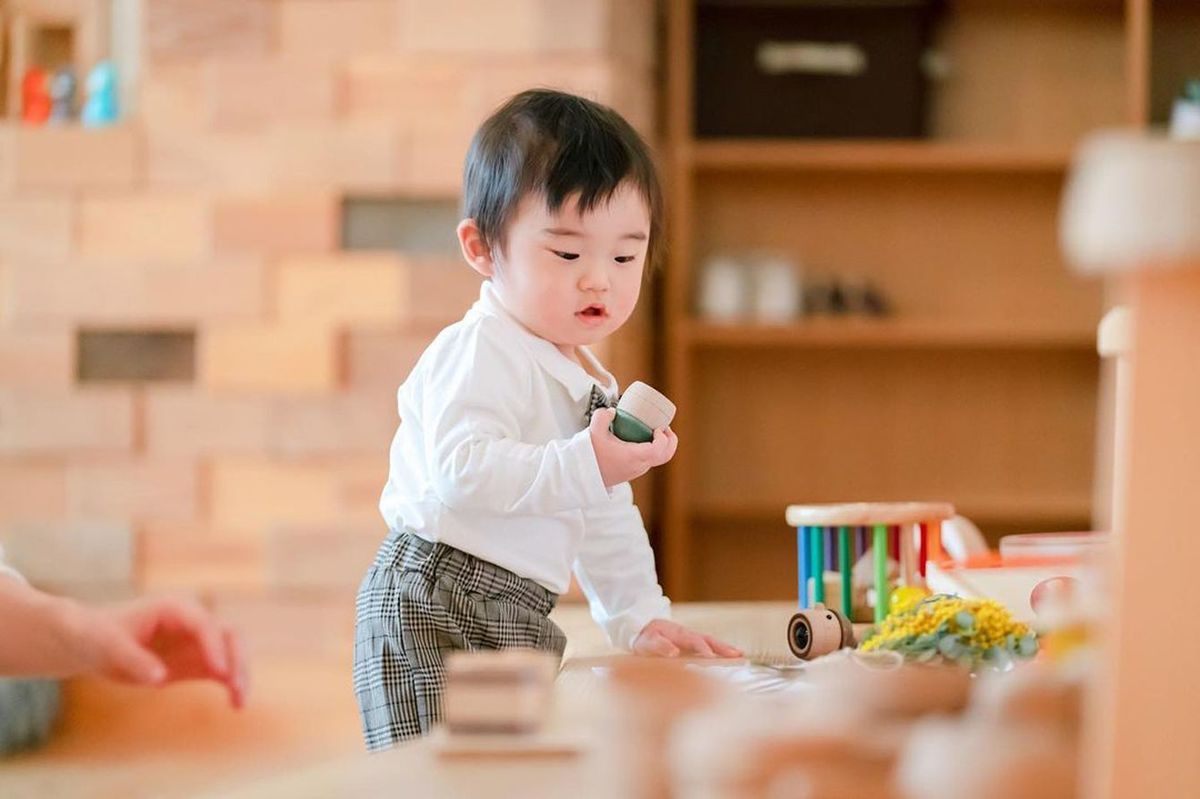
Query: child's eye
[[566, 256], [624, 259]]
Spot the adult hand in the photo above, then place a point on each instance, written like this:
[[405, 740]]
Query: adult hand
[[160, 641]]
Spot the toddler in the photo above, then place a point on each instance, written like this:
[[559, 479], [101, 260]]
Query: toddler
[[504, 477]]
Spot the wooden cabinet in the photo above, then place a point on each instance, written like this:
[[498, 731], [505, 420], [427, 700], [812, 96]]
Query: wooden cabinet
[[982, 387]]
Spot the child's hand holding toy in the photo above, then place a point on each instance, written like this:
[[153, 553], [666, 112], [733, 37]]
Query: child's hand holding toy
[[635, 436]]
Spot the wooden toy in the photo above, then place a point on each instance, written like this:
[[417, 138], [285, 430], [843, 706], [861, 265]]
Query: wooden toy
[[35, 97], [62, 95], [101, 106], [818, 527], [640, 412], [498, 691], [819, 631]]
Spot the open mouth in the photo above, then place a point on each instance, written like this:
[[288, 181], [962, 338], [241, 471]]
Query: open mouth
[[593, 313]]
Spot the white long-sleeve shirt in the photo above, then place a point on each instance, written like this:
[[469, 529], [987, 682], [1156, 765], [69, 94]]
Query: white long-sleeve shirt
[[493, 457], [8, 571]]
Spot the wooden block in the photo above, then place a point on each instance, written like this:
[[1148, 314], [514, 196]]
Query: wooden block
[[254, 93], [175, 558], [434, 153], [133, 489], [335, 425], [471, 27], [256, 496], [326, 29], [194, 422], [632, 34], [32, 490], [192, 29], [443, 290], [575, 26], [164, 227], [360, 482], [283, 225], [168, 96], [351, 155], [405, 88], [88, 421], [382, 359], [631, 93], [67, 556], [41, 360], [141, 296], [137, 356], [72, 157], [345, 289], [331, 557], [226, 161], [36, 228], [589, 77], [8, 150], [259, 358]]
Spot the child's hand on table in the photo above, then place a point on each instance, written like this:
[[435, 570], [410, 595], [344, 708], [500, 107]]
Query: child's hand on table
[[621, 461], [159, 641], [668, 639]]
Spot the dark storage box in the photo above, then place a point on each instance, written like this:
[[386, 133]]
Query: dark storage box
[[820, 68]]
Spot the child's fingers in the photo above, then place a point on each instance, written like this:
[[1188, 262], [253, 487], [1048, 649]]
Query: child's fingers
[[658, 645], [699, 645], [601, 419], [723, 649]]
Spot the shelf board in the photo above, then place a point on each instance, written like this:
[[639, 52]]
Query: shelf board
[[888, 334], [727, 155], [984, 509]]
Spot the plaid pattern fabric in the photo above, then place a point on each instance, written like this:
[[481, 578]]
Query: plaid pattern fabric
[[598, 399], [420, 601]]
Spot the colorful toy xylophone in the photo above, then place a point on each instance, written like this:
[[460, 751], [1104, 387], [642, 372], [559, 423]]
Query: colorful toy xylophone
[[824, 541]]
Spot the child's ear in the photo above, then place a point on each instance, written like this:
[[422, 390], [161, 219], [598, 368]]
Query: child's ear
[[474, 249]]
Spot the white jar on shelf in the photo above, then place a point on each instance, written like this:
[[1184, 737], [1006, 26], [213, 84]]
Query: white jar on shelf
[[776, 292], [723, 290]]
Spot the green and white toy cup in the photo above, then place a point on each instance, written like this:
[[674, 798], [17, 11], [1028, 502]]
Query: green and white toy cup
[[641, 411]]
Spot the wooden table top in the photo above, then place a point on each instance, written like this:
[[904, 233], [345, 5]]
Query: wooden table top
[[759, 629]]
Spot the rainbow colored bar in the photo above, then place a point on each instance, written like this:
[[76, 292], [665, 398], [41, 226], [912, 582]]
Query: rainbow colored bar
[[910, 532]]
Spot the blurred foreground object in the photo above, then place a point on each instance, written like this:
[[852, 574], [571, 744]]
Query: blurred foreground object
[[1131, 211]]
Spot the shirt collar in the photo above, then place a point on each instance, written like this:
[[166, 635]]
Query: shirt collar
[[573, 376]]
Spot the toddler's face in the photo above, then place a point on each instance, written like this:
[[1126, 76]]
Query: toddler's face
[[574, 279]]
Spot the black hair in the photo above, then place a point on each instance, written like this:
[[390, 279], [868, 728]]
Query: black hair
[[557, 145]]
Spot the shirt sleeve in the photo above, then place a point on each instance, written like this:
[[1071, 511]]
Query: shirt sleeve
[[471, 430], [6, 571], [615, 569]]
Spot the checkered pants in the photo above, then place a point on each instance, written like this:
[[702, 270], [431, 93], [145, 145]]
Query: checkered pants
[[420, 601]]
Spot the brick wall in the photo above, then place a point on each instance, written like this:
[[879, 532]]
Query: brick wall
[[223, 428]]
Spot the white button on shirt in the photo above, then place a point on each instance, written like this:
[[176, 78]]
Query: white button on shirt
[[493, 457]]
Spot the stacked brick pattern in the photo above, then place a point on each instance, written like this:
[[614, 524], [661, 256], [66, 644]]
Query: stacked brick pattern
[[216, 210]]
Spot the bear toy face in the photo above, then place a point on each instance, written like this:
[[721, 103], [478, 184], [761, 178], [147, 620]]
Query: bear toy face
[[818, 631]]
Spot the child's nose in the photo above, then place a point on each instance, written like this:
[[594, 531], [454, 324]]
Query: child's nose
[[595, 277]]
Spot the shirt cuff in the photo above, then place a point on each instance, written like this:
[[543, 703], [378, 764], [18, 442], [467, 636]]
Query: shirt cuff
[[594, 490], [624, 629]]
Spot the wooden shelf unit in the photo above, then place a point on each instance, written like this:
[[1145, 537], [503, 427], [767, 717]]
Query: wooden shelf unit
[[886, 333], [982, 389], [724, 155]]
